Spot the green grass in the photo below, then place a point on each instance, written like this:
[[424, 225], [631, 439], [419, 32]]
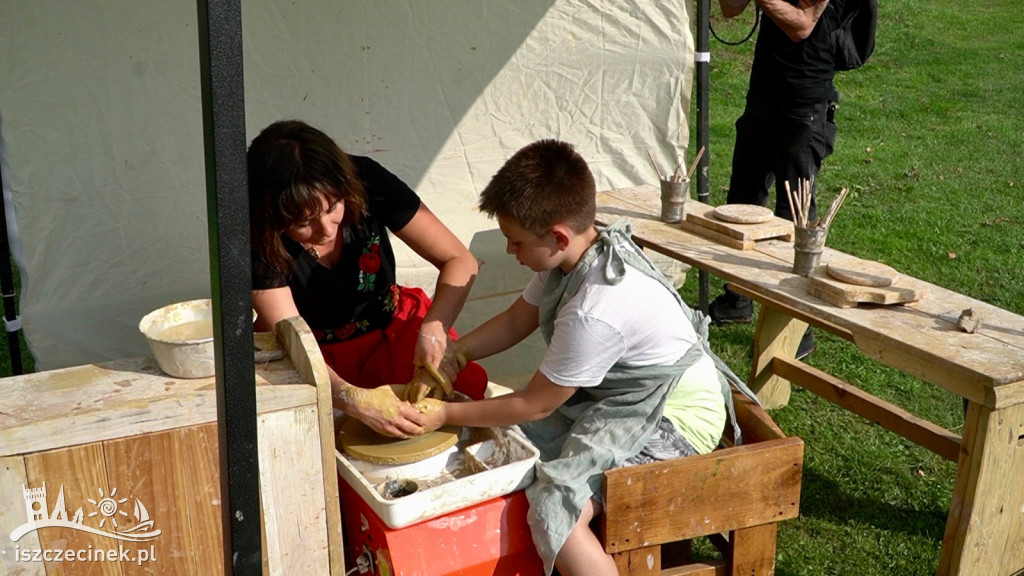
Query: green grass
[[930, 134], [28, 363]]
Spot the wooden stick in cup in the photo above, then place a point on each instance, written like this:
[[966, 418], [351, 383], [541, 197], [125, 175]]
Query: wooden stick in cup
[[693, 166], [836, 203], [677, 176], [793, 205], [654, 164], [807, 202]]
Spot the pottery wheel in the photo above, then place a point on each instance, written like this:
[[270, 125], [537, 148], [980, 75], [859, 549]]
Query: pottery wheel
[[360, 441], [862, 272], [743, 213]]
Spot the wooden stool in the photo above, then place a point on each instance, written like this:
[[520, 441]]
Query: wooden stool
[[734, 495]]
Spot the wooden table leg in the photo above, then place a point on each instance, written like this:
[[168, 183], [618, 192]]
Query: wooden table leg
[[776, 334], [985, 528], [753, 551]]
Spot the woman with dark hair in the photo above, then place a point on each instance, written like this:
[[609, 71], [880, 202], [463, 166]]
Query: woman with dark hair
[[319, 223]]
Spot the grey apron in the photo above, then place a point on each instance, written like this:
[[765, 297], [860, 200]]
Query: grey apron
[[598, 428]]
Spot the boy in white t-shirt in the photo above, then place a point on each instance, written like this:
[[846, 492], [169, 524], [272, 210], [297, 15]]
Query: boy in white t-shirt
[[626, 378]]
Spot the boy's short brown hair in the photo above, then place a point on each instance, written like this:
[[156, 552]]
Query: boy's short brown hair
[[543, 184]]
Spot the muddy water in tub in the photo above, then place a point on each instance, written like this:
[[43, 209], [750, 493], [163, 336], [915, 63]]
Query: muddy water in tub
[[194, 330]]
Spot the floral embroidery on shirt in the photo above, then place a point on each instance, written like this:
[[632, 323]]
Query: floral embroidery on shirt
[[369, 264], [345, 332], [391, 300]]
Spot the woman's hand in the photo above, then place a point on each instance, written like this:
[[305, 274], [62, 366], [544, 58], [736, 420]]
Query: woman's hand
[[381, 409], [457, 268], [436, 352]]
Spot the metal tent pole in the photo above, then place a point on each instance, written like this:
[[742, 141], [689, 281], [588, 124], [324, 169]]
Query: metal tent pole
[[702, 58], [220, 62]]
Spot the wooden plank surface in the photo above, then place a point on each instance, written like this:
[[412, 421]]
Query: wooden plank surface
[[754, 550], [123, 398], [147, 469], [887, 415], [921, 339], [862, 272], [81, 473], [776, 334], [303, 351], [711, 234], [703, 216], [198, 451], [639, 562], [985, 530], [291, 481], [756, 424], [13, 514], [821, 284], [126, 426], [746, 485]]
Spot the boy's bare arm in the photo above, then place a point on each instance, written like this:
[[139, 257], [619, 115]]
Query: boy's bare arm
[[539, 399], [501, 332]]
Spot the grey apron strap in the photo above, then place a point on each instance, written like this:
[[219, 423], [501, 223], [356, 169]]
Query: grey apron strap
[[616, 240]]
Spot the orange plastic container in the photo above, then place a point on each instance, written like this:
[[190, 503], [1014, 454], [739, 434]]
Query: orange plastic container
[[488, 538]]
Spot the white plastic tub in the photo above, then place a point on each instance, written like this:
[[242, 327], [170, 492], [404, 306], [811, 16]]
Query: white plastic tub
[[508, 468]]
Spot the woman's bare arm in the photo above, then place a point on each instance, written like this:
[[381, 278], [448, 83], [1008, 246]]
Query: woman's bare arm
[[379, 408], [457, 268]]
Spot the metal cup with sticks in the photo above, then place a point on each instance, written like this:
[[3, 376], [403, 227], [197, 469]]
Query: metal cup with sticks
[[810, 236], [675, 190]]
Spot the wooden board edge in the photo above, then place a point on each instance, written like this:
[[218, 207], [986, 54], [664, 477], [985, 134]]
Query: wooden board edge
[[13, 480], [302, 349], [716, 236]]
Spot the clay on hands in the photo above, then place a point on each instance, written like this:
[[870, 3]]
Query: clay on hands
[[427, 380], [419, 387]]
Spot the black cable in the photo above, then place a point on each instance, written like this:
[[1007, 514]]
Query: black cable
[[757, 20]]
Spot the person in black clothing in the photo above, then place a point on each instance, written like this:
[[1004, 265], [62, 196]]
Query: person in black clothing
[[321, 222], [788, 126]]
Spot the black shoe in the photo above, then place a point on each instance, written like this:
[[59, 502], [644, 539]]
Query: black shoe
[[806, 345], [731, 307]]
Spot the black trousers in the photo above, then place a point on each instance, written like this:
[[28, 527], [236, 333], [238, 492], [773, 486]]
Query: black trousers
[[778, 143]]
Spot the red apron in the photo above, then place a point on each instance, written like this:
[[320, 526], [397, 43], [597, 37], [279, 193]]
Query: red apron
[[385, 356]]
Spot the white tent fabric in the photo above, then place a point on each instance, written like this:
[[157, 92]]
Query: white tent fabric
[[103, 129]]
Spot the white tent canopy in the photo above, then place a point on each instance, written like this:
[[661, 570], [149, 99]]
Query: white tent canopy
[[102, 125]]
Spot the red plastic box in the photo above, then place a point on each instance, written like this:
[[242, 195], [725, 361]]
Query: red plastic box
[[489, 538]]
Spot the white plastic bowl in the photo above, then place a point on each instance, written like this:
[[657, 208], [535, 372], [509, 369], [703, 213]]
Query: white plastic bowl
[[181, 355]]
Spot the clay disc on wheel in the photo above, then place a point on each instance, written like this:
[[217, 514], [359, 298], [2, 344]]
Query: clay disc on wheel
[[862, 272], [360, 441], [743, 213]]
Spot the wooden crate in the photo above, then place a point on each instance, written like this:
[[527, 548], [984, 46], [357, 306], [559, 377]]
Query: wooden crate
[[121, 446], [653, 510]]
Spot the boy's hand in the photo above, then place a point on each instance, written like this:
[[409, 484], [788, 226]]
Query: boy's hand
[[427, 381], [433, 413], [421, 385], [462, 356]]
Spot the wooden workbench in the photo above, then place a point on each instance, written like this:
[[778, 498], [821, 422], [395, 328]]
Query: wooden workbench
[[985, 527], [87, 445]]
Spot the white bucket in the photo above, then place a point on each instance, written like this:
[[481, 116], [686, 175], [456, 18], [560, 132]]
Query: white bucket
[[178, 336]]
